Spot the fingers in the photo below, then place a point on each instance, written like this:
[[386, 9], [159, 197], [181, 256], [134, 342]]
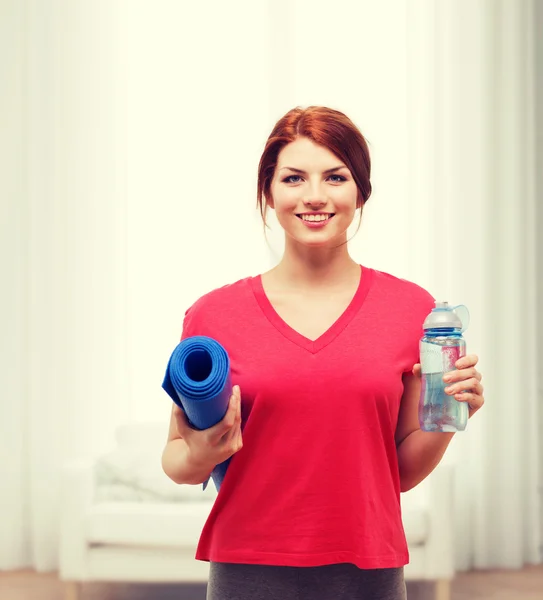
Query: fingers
[[470, 360], [233, 439], [472, 385], [465, 370], [234, 431], [468, 390], [239, 440], [218, 443], [475, 401], [462, 375], [228, 422], [464, 383], [232, 416]]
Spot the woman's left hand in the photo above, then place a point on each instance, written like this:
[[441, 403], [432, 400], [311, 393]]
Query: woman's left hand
[[464, 383]]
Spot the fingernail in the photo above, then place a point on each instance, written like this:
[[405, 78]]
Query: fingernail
[[447, 378], [448, 389]]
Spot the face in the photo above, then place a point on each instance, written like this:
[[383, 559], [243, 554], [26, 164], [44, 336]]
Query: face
[[313, 193]]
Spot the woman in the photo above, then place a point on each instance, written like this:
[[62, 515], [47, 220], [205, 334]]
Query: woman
[[324, 358]]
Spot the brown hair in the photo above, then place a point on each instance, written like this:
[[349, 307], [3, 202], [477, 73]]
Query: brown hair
[[326, 127]]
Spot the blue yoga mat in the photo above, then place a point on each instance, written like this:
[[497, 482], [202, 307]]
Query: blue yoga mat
[[198, 381]]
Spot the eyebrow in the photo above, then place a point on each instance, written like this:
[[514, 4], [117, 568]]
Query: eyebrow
[[325, 172]]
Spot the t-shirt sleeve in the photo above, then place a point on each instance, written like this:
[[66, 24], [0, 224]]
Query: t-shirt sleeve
[[423, 303], [198, 318], [188, 324], [187, 331]]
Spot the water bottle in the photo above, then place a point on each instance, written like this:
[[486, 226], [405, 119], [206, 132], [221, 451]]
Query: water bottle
[[440, 347]]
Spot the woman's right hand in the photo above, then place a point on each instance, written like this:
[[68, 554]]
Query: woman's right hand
[[210, 447]]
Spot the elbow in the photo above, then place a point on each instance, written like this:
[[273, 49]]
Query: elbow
[[168, 472], [169, 468], [176, 469], [408, 482], [173, 477], [405, 486]]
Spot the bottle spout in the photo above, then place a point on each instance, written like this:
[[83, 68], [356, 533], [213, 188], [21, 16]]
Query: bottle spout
[[463, 314], [446, 316]]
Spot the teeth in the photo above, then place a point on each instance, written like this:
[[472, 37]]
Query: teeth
[[315, 217]]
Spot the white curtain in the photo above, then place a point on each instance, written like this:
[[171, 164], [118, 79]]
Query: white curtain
[[472, 188], [133, 136]]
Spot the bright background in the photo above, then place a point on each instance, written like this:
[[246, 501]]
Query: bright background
[[131, 134]]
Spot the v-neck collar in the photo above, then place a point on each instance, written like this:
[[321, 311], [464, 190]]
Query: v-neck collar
[[313, 346]]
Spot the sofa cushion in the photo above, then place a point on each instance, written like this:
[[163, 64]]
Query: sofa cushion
[[415, 514], [146, 524], [131, 473], [416, 526], [180, 524]]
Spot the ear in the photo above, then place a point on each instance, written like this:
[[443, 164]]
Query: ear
[[269, 201]]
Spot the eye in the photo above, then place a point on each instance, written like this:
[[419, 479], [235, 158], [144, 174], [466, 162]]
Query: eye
[[297, 179], [292, 179], [337, 178]]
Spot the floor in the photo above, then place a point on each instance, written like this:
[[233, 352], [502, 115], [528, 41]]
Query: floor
[[495, 585]]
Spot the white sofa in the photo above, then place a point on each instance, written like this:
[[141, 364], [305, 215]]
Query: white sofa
[[124, 520]]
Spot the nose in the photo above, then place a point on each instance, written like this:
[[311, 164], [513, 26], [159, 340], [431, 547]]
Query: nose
[[315, 198], [314, 203]]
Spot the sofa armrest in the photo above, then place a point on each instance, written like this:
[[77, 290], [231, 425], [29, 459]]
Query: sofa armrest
[[77, 492]]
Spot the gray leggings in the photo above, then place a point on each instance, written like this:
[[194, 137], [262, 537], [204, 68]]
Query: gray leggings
[[229, 581]]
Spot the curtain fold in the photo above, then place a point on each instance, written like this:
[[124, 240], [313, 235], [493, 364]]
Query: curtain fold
[[476, 65]]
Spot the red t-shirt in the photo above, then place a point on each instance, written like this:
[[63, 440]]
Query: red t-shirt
[[317, 479]]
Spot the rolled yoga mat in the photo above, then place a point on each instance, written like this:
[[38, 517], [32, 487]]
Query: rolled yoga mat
[[198, 380]]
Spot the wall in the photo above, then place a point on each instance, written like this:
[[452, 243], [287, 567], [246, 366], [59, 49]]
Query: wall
[[538, 37]]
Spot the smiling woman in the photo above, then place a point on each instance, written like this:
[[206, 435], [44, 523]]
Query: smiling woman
[[309, 153], [322, 426], [321, 197]]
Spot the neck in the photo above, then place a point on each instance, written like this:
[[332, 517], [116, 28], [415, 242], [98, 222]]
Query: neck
[[304, 267]]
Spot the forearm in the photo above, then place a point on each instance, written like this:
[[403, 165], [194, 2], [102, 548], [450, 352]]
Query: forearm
[[179, 466], [419, 454]]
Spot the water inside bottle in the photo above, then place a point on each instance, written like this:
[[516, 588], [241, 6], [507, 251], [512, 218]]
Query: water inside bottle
[[439, 411]]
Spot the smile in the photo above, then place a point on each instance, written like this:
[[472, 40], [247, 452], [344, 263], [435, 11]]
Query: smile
[[316, 218], [316, 221]]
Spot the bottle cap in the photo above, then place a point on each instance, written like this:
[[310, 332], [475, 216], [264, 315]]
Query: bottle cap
[[451, 317]]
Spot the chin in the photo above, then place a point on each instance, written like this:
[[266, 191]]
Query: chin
[[314, 243]]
